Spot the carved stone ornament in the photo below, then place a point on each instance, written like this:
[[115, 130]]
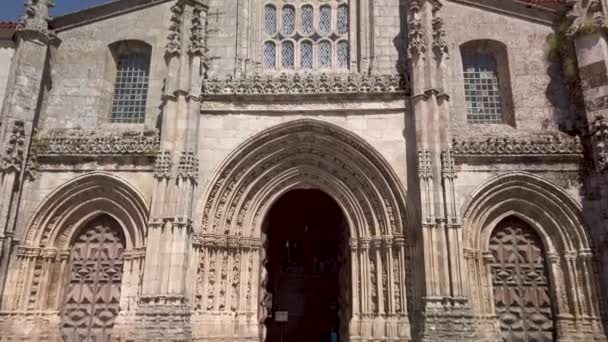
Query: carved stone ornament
[[197, 34], [585, 16], [599, 136], [188, 167], [96, 142], [163, 165], [537, 145], [448, 169], [174, 39], [14, 150], [424, 165], [306, 84], [416, 46], [36, 17]]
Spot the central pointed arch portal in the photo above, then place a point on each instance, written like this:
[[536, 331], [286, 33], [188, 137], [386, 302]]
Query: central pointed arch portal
[[234, 242]]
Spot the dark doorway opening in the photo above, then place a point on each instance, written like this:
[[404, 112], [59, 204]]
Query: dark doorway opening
[[308, 269]]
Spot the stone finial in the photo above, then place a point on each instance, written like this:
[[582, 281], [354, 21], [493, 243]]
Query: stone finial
[[585, 16], [36, 16]]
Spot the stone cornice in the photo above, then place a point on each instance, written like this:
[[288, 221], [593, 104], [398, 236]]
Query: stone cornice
[[307, 84], [541, 146], [94, 142]]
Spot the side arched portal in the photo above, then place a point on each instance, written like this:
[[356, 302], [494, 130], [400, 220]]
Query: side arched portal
[[304, 154], [68, 220], [556, 219]]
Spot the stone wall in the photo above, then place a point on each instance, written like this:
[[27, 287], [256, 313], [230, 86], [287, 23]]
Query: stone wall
[[7, 49]]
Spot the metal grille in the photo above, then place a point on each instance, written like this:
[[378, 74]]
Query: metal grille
[[343, 54], [289, 20], [521, 287], [325, 19], [287, 53], [270, 19], [308, 20], [481, 89], [325, 54], [306, 55], [270, 55], [131, 88], [342, 19], [92, 296]]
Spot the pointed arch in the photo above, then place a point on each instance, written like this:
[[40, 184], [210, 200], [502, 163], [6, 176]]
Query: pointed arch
[[72, 205], [300, 154], [557, 219]]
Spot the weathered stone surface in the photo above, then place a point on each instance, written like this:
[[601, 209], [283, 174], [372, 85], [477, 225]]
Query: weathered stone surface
[[433, 204]]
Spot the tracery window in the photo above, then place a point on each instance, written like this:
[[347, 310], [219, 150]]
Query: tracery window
[[92, 296], [520, 281], [311, 35], [481, 88], [131, 83]]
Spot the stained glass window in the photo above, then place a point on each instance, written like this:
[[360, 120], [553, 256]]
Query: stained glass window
[[270, 19], [306, 55], [308, 19], [325, 19], [342, 19], [481, 89], [270, 55], [289, 20], [311, 34], [325, 54], [343, 54], [287, 52], [131, 88]]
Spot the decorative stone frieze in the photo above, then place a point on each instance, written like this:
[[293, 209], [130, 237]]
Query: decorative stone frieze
[[529, 145], [599, 137], [416, 46], [305, 84], [163, 165], [14, 150], [188, 166], [96, 142], [226, 241], [424, 165], [174, 39]]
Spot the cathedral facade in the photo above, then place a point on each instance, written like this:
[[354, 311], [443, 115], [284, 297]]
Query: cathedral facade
[[305, 170]]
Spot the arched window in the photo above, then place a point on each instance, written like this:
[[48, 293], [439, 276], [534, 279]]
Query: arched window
[[313, 35], [486, 82], [92, 297], [132, 61], [522, 295]]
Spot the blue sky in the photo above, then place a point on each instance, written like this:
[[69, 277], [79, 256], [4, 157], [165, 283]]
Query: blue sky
[[12, 9]]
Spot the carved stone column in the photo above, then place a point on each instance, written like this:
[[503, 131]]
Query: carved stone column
[[18, 116], [445, 281], [165, 304]]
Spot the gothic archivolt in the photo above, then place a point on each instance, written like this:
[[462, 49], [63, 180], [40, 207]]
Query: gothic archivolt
[[36, 280], [556, 218], [308, 154]]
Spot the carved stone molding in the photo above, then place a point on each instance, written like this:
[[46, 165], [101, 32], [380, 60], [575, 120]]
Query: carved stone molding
[[226, 241], [163, 165], [416, 45], [174, 39], [513, 146], [424, 165], [297, 84], [95, 142], [14, 149], [599, 138], [187, 167]]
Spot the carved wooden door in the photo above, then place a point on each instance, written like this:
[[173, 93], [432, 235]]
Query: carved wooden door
[[92, 296], [521, 287]]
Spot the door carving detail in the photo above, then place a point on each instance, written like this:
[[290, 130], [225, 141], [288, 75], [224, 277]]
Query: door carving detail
[[520, 281], [92, 297]]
